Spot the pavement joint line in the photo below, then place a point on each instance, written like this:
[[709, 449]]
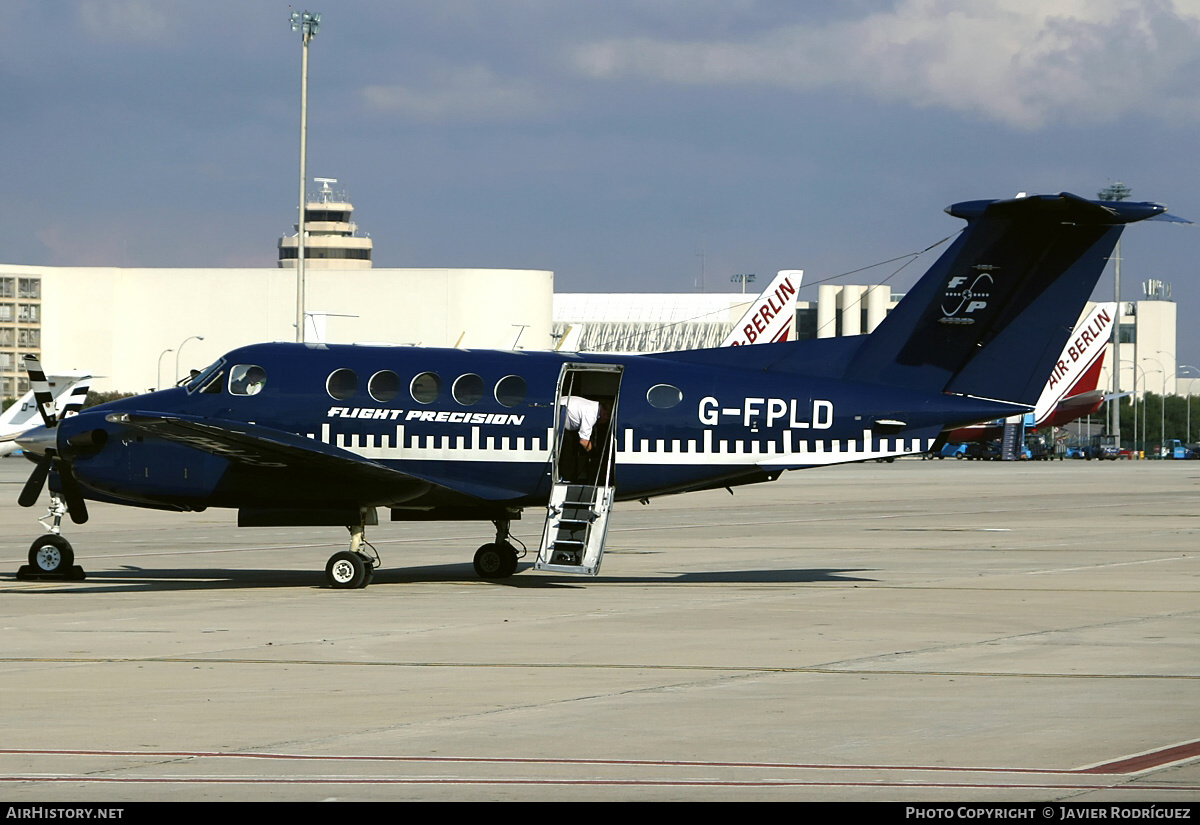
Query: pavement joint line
[[825, 670], [1167, 755], [524, 781]]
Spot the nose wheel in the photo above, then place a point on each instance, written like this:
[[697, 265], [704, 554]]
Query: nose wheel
[[51, 556]]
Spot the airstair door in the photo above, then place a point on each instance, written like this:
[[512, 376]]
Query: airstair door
[[584, 485]]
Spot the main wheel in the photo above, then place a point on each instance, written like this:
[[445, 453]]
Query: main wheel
[[346, 571], [495, 561], [51, 554]]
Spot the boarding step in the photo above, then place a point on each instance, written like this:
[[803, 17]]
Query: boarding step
[[576, 524]]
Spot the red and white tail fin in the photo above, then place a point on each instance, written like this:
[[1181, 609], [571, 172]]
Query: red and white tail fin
[[1076, 374], [772, 316]]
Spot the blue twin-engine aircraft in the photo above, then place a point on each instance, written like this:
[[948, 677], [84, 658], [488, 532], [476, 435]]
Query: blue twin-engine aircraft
[[310, 434]]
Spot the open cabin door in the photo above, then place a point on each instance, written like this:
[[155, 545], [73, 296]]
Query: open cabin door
[[584, 485]]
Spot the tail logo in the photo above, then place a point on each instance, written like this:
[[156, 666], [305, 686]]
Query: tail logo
[[970, 298]]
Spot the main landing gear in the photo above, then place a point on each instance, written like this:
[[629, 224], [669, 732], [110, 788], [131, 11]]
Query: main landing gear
[[351, 569], [498, 560], [348, 570], [51, 556]]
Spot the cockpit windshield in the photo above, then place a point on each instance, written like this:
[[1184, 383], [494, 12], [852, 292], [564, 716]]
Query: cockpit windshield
[[209, 375]]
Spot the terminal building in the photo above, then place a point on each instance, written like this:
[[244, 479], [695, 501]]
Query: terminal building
[[331, 239], [1147, 348], [657, 322]]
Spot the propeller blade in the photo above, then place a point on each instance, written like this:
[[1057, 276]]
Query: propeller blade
[[41, 390], [37, 480], [72, 493]]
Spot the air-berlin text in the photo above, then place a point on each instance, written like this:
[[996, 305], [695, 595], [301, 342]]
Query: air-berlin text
[[1086, 340], [769, 314]]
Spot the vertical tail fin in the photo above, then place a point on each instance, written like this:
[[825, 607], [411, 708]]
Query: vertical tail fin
[[1077, 370], [771, 317], [992, 314]]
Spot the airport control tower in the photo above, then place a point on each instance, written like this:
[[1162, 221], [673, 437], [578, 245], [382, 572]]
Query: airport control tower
[[331, 240]]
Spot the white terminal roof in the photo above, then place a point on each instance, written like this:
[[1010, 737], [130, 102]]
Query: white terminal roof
[[649, 308]]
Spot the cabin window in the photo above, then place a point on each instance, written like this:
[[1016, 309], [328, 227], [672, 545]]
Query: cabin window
[[467, 389], [425, 388], [341, 384], [510, 390], [664, 396], [384, 386], [246, 379]]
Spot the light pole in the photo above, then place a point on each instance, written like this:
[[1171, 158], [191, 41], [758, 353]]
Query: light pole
[[158, 374], [307, 24], [1175, 366], [1117, 192], [1187, 437], [1162, 425], [1134, 403], [1145, 412], [179, 349]]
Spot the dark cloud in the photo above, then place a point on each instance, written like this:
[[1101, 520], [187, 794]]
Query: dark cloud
[[624, 147]]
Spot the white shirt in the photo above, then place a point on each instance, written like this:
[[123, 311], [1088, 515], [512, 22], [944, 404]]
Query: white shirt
[[581, 415]]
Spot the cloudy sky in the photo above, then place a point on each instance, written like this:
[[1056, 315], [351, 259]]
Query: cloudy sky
[[630, 145]]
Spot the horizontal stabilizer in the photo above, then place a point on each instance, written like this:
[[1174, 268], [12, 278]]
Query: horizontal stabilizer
[[992, 314]]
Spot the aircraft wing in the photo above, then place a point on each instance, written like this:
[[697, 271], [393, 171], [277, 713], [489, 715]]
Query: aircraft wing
[[264, 447], [255, 446]]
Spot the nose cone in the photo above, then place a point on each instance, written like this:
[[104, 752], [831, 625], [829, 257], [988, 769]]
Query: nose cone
[[38, 440]]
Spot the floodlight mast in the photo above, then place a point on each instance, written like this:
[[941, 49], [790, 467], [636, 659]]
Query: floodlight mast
[[742, 278], [307, 24], [1116, 192]]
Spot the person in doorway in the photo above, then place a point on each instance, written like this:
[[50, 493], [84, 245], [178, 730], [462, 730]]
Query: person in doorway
[[587, 420]]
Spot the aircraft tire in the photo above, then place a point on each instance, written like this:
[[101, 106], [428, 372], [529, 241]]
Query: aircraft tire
[[51, 554], [346, 571], [510, 559], [495, 561]]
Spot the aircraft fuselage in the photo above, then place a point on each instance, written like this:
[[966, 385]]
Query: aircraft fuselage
[[466, 425]]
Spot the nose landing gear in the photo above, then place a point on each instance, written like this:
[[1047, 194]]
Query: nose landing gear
[[51, 556]]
